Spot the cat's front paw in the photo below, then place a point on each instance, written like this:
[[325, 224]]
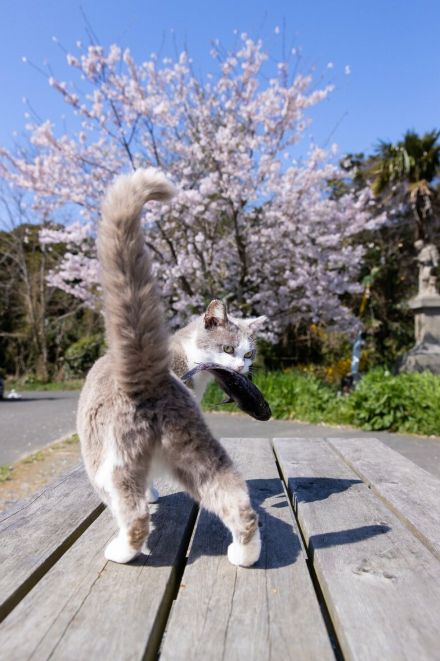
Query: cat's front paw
[[245, 555], [119, 550]]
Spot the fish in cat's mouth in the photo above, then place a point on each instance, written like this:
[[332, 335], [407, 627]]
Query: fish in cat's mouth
[[238, 387]]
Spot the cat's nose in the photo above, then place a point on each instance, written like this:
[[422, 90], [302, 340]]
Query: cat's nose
[[240, 368]]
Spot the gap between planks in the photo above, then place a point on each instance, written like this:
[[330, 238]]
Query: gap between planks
[[74, 600], [417, 508], [34, 578], [27, 577], [309, 564], [371, 583], [249, 613], [152, 650]]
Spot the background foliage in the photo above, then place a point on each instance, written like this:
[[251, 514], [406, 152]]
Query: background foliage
[[382, 401], [323, 249]]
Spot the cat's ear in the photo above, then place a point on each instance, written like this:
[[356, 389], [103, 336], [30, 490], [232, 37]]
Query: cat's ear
[[215, 314], [255, 324]]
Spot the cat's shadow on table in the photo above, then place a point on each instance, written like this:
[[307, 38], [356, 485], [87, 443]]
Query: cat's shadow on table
[[281, 543]]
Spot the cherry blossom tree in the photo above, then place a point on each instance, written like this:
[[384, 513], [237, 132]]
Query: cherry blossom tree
[[251, 222]]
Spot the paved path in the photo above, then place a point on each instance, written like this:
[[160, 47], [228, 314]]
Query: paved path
[[30, 423], [40, 418], [422, 450]]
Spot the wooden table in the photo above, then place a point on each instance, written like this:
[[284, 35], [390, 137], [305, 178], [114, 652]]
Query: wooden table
[[350, 566]]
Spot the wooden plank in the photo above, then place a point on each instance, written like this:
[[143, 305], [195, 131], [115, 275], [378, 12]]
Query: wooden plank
[[411, 492], [380, 583], [39, 531], [88, 608], [269, 611]]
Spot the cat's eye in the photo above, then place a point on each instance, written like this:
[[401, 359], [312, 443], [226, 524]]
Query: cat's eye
[[228, 349], [249, 354]]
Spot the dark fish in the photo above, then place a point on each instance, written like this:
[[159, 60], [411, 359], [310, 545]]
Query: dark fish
[[229, 400], [238, 388]]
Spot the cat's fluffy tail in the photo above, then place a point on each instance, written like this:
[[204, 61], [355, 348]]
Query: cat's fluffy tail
[[135, 327]]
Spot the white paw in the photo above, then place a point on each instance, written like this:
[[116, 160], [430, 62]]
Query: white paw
[[119, 550], [245, 555], [152, 495]]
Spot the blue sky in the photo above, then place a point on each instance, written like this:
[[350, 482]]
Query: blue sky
[[391, 46]]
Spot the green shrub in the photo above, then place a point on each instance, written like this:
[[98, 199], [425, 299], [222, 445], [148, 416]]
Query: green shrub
[[408, 402], [405, 403], [295, 395], [81, 355], [290, 395]]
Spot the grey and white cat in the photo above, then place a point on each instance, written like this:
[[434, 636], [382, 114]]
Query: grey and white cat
[[214, 337], [133, 412]]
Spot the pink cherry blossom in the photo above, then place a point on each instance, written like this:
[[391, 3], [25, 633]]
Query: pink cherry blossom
[[251, 221]]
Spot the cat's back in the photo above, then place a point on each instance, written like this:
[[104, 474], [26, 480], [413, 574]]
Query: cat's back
[[96, 400], [99, 383]]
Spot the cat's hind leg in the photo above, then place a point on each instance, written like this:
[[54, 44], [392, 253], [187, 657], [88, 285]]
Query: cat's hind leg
[[227, 496], [125, 491], [205, 470]]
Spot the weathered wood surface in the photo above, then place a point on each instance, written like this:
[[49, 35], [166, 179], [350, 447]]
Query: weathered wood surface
[[370, 522], [269, 611], [88, 608], [380, 583], [35, 534], [410, 491]]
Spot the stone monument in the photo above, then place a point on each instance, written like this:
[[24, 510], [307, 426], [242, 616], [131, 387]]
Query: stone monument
[[425, 355]]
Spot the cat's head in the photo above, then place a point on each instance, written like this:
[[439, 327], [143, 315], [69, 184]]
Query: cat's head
[[226, 340]]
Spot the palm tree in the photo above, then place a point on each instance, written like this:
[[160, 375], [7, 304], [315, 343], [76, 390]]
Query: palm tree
[[406, 170]]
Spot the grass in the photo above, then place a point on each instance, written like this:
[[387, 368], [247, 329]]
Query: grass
[[291, 395], [35, 456], [71, 440], [32, 473], [7, 471], [29, 385]]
